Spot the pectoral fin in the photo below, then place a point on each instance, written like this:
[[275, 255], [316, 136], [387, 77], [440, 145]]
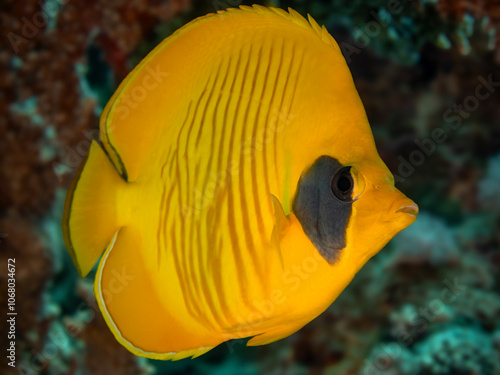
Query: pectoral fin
[[273, 335], [281, 224]]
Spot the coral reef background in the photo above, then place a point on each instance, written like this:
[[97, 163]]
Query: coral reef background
[[428, 73]]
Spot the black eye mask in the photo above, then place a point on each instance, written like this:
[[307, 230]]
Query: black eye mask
[[323, 205]]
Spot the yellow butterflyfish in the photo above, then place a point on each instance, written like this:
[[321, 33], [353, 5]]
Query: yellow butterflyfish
[[236, 189]]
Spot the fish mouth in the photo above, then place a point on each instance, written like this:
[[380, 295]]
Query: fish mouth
[[409, 209]]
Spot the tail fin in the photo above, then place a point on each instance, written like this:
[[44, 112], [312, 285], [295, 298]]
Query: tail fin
[[90, 211]]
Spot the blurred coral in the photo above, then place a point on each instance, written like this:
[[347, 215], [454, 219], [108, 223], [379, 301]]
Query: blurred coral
[[489, 185], [458, 351], [48, 45], [64, 60], [48, 115], [401, 30], [429, 241], [478, 8], [21, 242]]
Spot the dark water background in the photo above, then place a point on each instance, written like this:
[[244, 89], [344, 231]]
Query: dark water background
[[428, 75]]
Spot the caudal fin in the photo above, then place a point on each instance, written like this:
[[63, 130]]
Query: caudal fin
[[90, 212]]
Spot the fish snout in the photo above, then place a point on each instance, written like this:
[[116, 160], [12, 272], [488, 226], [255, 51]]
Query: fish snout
[[402, 207], [409, 207], [404, 211]]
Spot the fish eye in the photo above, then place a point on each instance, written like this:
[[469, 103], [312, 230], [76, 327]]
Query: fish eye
[[343, 185]]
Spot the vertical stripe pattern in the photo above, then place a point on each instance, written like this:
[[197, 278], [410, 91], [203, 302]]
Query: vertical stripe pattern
[[216, 216]]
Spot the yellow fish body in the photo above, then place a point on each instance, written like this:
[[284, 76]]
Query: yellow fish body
[[237, 189]]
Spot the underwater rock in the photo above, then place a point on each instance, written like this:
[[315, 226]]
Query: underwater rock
[[45, 139], [468, 12], [400, 30], [103, 354], [458, 350], [453, 351], [479, 306], [489, 185], [48, 116], [428, 240], [49, 112], [404, 321], [19, 241]]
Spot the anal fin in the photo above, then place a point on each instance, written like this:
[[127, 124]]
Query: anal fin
[[132, 304]]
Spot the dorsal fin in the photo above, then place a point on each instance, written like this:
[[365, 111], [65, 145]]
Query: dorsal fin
[[134, 117], [292, 16]]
